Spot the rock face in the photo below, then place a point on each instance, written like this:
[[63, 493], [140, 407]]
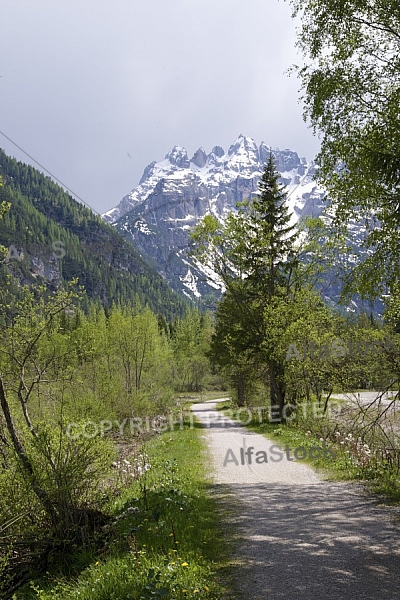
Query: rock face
[[175, 193]]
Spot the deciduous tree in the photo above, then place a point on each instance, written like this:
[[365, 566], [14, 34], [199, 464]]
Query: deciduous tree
[[351, 93]]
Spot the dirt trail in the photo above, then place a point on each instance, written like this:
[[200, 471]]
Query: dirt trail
[[301, 538]]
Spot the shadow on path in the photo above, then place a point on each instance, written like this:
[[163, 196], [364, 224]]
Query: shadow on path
[[303, 541]]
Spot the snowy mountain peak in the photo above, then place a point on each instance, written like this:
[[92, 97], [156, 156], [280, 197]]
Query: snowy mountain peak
[[242, 146], [225, 177], [243, 155], [199, 158], [175, 193], [178, 156]]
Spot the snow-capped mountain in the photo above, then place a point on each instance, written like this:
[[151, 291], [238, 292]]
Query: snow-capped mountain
[[174, 194]]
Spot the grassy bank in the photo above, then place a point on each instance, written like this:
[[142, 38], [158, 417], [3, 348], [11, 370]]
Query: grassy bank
[[163, 540]]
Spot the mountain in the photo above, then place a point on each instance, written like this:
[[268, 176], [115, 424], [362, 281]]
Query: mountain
[[174, 194], [52, 238]]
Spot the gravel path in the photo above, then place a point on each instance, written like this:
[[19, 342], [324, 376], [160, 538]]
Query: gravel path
[[301, 538]]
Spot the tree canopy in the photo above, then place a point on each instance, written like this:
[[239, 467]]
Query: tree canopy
[[351, 92]]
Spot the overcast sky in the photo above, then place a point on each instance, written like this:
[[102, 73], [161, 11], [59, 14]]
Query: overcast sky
[[85, 83]]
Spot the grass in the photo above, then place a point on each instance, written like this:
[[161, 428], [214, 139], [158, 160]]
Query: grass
[[224, 406], [164, 541]]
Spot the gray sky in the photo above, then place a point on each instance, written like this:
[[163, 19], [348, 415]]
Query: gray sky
[[87, 82]]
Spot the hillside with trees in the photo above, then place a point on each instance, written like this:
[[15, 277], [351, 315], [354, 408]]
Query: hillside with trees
[[52, 238], [78, 386]]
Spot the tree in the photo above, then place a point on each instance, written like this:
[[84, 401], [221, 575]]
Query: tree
[[254, 254], [190, 343], [351, 85], [234, 348], [59, 472]]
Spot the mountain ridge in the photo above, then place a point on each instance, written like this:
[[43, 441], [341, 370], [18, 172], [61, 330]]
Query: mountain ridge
[[43, 214], [176, 192]]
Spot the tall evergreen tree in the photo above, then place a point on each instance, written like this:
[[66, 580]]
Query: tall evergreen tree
[[270, 234], [255, 256]]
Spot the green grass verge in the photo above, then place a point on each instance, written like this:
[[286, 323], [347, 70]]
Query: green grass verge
[[165, 540]]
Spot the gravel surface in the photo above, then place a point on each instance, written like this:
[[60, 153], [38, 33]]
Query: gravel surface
[[300, 537]]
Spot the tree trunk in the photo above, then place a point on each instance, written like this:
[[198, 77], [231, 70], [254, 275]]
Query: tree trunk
[[24, 459], [241, 385], [277, 391]]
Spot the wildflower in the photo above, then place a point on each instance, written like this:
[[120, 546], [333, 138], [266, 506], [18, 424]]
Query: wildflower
[[185, 564]]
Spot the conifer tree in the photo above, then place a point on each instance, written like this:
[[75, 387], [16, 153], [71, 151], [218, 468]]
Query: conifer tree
[[270, 234], [255, 256]]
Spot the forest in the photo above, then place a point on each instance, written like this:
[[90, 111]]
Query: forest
[[53, 238]]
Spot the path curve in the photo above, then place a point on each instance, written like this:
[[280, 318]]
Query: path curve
[[301, 538]]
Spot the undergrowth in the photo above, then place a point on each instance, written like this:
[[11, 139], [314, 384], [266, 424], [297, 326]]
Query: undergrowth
[[163, 540]]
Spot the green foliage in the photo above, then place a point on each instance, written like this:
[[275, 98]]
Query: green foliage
[[351, 84], [164, 542], [72, 382], [4, 208], [190, 342], [48, 479]]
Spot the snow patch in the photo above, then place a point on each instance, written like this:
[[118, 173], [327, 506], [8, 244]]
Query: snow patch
[[190, 282]]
